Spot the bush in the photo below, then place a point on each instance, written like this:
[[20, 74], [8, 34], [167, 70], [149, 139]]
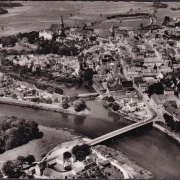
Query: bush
[[11, 169], [115, 106], [65, 105], [81, 151], [68, 168], [79, 105], [73, 97], [30, 159], [58, 90], [1, 174], [49, 101], [14, 96]]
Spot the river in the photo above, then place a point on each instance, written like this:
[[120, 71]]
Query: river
[[151, 149]]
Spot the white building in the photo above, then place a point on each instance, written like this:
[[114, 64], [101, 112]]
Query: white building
[[46, 34]]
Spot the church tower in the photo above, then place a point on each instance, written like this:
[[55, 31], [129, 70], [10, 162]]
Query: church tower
[[62, 23], [62, 34]]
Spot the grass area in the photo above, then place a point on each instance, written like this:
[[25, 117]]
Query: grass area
[[43, 14], [39, 147]]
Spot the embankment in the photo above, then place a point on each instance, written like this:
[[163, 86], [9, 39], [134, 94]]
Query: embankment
[[43, 106], [167, 132], [132, 170]]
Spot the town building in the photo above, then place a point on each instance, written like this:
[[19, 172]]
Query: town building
[[46, 34], [143, 86], [168, 91]]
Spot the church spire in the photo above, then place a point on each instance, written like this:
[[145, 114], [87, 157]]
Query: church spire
[[63, 35], [62, 22]]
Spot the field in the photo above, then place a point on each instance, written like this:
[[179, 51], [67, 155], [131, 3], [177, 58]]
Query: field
[[40, 15], [39, 147]]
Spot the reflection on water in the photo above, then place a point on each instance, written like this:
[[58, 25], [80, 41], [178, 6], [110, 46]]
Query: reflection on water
[[79, 119]]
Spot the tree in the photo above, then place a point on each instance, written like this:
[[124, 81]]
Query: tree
[[169, 120], [58, 90], [155, 66], [73, 97], [88, 75], [156, 88], [21, 159], [67, 155], [79, 105], [49, 101], [81, 151], [1, 174], [115, 106], [36, 99], [65, 104], [30, 159], [14, 96], [110, 99], [50, 89], [11, 169], [141, 25], [17, 132]]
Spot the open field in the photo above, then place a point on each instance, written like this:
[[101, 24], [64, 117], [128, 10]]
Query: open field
[[39, 15], [39, 147]]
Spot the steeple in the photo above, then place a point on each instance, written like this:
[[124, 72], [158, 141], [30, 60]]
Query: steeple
[[63, 35], [62, 23]]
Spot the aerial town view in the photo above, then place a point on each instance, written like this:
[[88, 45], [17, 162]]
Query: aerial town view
[[89, 89]]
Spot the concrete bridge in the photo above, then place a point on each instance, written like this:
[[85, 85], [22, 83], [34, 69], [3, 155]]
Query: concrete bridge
[[119, 131], [88, 95]]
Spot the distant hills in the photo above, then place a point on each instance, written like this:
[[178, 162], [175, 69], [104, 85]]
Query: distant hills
[[4, 4], [8, 4]]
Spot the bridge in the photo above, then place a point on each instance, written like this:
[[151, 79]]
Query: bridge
[[88, 95], [119, 131]]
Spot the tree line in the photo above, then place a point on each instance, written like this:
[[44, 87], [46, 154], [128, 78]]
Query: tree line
[[15, 132], [171, 123]]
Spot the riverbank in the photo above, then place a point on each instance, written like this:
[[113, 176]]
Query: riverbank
[[125, 116], [54, 138], [174, 136], [130, 169], [43, 106]]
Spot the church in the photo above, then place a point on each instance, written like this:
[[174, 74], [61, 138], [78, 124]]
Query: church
[[56, 29]]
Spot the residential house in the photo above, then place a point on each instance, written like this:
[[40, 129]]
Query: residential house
[[168, 91], [143, 86], [127, 84], [89, 162], [151, 62], [138, 80], [157, 101], [131, 107], [164, 69]]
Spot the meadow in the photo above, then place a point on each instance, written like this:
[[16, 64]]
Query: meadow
[[34, 16]]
